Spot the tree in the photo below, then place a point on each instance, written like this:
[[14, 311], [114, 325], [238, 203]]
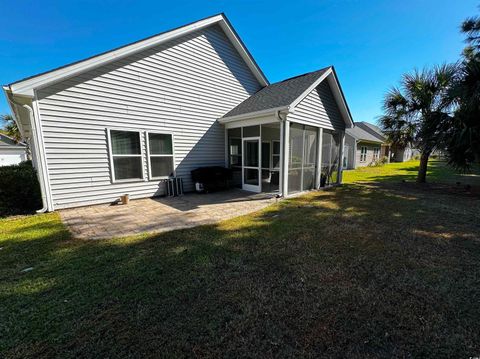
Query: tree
[[471, 28], [464, 145], [419, 112], [11, 128]]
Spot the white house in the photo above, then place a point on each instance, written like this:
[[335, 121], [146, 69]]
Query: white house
[[11, 152], [125, 120]]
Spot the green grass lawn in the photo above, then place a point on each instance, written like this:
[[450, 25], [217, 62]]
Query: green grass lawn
[[438, 171], [377, 269]]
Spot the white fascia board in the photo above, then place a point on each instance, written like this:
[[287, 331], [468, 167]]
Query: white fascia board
[[337, 94], [12, 107], [268, 119], [237, 43], [310, 89], [270, 111], [27, 86]]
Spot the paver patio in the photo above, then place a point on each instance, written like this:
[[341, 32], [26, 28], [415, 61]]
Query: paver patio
[[161, 214]]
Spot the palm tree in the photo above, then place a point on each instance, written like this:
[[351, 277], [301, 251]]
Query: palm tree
[[464, 146], [471, 28], [11, 128], [419, 112]]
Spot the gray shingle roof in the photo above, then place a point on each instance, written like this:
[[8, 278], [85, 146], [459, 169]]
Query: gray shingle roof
[[6, 141], [360, 134], [279, 94], [372, 129]]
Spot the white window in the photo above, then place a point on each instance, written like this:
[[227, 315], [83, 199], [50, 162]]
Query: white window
[[276, 154], [363, 153], [160, 155], [126, 155], [376, 153]]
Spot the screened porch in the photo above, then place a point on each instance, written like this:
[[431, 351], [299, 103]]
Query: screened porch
[[255, 153]]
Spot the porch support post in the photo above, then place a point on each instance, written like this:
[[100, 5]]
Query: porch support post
[[340, 157], [318, 175], [284, 148]]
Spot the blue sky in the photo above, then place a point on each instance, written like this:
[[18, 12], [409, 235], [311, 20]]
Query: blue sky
[[370, 42]]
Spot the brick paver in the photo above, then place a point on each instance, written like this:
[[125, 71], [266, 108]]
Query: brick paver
[[160, 214]]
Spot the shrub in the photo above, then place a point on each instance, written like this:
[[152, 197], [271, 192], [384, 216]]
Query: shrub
[[380, 162], [19, 189]]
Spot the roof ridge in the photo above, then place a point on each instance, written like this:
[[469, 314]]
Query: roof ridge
[[12, 139], [222, 14], [301, 75]]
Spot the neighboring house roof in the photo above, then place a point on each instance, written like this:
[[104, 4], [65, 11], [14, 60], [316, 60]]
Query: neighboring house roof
[[372, 129], [360, 134], [6, 141], [27, 85], [288, 93]]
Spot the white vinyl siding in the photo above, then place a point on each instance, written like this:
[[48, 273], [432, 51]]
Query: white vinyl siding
[[12, 156], [319, 109], [181, 87], [366, 153]]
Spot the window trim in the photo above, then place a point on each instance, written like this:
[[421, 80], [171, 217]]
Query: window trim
[[149, 155], [376, 153], [363, 156], [111, 155]]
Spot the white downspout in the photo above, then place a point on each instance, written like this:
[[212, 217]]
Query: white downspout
[[36, 154]]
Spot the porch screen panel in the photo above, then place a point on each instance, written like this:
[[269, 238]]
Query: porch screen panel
[[295, 158], [302, 158], [251, 131], [235, 154], [334, 158], [309, 159], [330, 157]]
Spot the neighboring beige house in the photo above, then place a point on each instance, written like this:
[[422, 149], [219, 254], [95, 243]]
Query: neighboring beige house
[[364, 144], [127, 120], [11, 152]]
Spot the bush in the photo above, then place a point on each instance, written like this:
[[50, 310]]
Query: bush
[[19, 189], [380, 162]]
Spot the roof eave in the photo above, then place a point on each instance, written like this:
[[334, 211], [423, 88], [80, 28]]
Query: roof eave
[[337, 92], [255, 114], [26, 87]]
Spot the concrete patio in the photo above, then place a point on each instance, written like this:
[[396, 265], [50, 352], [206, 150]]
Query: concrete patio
[[161, 214]]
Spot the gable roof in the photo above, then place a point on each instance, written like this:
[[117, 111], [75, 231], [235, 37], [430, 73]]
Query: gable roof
[[279, 94], [7, 141], [27, 85], [287, 94], [372, 129], [360, 134]]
